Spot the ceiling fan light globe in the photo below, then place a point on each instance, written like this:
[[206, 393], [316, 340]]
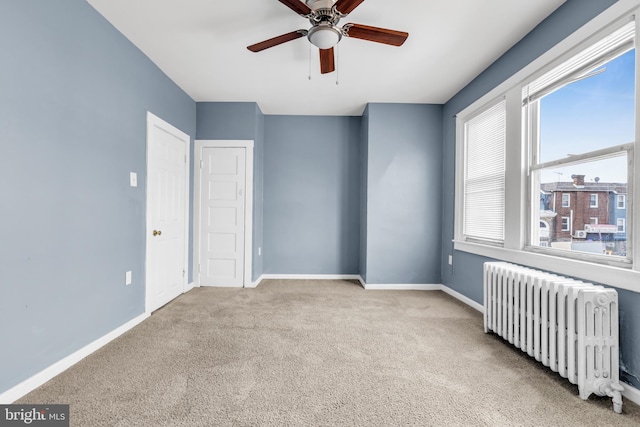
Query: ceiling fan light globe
[[324, 37]]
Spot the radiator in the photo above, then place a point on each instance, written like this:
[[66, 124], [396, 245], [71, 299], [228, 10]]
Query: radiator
[[568, 325]]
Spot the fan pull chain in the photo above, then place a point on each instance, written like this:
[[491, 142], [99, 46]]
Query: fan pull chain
[[337, 64], [309, 61]]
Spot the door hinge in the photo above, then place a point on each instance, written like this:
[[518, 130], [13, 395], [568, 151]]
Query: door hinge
[[200, 164], [183, 273]]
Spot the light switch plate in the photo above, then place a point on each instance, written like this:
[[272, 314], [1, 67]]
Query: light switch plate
[[133, 179], [127, 278]]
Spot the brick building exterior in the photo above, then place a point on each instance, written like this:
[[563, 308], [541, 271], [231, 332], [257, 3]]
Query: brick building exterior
[[582, 210]]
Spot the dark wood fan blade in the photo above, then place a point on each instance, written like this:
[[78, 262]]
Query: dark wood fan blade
[[276, 41], [297, 6], [375, 34], [346, 6], [327, 61]]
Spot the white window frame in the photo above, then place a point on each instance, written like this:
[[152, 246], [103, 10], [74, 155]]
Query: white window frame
[[566, 196], [593, 220], [591, 204], [517, 231], [619, 222], [622, 197], [565, 224]]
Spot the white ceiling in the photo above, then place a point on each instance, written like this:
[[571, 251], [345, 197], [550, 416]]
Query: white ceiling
[[201, 46]]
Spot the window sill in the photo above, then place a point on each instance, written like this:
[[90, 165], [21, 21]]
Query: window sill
[[618, 277]]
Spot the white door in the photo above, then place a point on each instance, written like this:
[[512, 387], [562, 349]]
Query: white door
[[167, 189], [222, 216]]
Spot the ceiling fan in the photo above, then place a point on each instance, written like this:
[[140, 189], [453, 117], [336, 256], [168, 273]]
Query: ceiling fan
[[324, 33]]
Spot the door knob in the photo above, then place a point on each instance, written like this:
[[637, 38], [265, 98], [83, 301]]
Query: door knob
[[157, 232]]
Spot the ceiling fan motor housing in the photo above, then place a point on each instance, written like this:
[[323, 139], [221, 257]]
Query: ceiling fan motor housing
[[322, 11]]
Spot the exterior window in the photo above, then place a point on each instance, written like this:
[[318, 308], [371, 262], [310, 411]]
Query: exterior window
[[580, 119], [484, 175], [621, 201], [621, 225]]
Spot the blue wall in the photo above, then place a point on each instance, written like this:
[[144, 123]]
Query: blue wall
[[364, 171], [629, 318], [239, 121], [465, 276], [227, 120], [258, 196], [404, 182], [73, 105], [311, 195]]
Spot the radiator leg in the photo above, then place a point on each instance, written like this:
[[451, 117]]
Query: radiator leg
[[613, 390], [617, 402], [617, 398]]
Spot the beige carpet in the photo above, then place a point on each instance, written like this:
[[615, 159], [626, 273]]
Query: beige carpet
[[318, 353]]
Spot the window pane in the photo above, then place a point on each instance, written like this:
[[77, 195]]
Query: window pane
[[590, 114], [592, 222], [581, 120]]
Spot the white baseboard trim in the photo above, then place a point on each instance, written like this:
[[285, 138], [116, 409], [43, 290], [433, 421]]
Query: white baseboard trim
[[310, 276], [462, 298], [401, 287], [254, 284], [305, 277], [62, 365], [631, 393], [424, 287], [188, 288]]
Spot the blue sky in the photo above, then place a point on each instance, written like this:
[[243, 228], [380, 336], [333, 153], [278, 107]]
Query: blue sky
[[587, 115]]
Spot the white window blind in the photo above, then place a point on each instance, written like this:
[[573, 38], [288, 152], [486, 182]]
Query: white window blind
[[580, 65], [484, 182]]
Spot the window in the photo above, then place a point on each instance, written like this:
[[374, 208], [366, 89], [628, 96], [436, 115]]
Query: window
[[621, 201], [484, 175], [621, 225], [580, 127], [570, 127]]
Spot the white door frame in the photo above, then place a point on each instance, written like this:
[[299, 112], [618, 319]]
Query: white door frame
[[248, 212], [153, 120]]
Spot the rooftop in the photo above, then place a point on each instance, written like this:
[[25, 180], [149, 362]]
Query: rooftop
[[615, 187]]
